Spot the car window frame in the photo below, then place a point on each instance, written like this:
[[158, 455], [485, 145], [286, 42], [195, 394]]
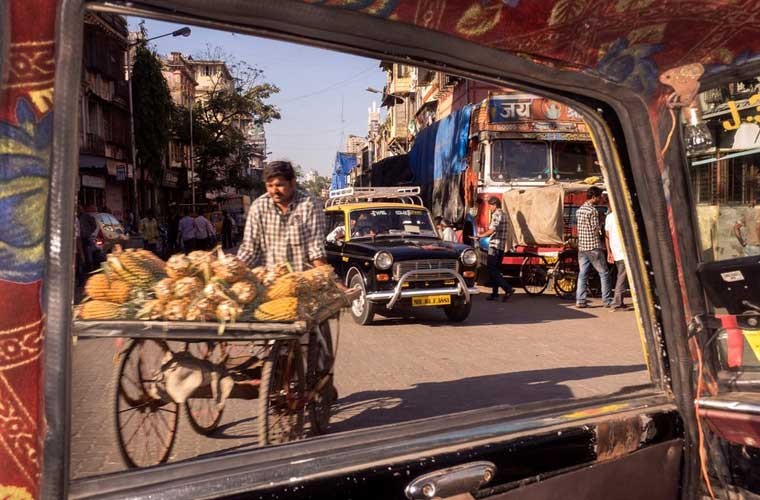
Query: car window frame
[[619, 107]]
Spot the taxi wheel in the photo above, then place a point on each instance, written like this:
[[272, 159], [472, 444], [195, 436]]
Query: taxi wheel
[[458, 312], [362, 310]]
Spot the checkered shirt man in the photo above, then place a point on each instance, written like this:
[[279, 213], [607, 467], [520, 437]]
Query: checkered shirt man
[[589, 228], [296, 237], [499, 224]]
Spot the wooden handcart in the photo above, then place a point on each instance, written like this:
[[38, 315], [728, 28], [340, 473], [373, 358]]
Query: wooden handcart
[[287, 367]]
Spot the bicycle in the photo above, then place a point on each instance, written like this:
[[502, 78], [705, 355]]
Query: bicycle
[[535, 272]]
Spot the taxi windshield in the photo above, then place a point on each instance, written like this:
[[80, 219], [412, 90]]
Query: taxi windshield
[[391, 221]]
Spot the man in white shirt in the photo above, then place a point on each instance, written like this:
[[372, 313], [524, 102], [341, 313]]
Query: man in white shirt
[[616, 255], [204, 233], [187, 231]]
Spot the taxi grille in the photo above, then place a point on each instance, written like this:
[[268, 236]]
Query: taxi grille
[[432, 266]]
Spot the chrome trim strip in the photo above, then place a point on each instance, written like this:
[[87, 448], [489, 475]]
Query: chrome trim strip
[[734, 406]]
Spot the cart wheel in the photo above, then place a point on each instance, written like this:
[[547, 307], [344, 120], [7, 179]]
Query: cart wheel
[[203, 412], [534, 274], [282, 394], [146, 425], [320, 372], [566, 280]]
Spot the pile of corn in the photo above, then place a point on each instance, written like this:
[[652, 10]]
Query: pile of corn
[[203, 286]]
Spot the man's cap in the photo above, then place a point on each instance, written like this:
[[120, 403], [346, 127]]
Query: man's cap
[[279, 169]]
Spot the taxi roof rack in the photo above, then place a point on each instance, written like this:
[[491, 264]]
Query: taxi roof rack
[[403, 194]]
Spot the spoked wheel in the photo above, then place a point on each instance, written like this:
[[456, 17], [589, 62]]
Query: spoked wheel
[[203, 412], [321, 360], [566, 278], [146, 422], [282, 394], [534, 274]]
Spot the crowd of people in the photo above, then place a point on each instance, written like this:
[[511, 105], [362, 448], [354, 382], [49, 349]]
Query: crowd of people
[[173, 234]]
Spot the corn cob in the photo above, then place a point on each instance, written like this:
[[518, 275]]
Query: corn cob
[[286, 286], [118, 271], [151, 262], [97, 286], [135, 266], [285, 309], [119, 292], [164, 289], [99, 309]]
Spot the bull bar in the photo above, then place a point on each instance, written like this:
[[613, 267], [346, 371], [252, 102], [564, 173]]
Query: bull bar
[[398, 293]]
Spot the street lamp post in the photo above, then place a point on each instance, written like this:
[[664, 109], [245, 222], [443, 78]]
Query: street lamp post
[[185, 31]]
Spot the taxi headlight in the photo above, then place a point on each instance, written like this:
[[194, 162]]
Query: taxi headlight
[[383, 260], [469, 257]]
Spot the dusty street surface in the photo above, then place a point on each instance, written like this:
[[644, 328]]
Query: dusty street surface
[[401, 369]]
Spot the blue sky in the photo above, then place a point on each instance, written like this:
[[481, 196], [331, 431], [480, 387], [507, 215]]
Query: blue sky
[[314, 83]]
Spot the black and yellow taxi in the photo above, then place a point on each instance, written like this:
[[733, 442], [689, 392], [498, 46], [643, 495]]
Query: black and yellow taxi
[[383, 241]]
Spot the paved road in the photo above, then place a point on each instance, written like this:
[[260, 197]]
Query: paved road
[[400, 369]]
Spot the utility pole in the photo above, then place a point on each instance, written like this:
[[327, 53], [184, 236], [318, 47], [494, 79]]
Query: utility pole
[[180, 32], [192, 161]]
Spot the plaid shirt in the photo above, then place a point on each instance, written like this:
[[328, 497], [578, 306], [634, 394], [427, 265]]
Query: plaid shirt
[[589, 228], [499, 224], [272, 237]]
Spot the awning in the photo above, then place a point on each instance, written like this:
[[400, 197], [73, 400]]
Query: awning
[[89, 161]]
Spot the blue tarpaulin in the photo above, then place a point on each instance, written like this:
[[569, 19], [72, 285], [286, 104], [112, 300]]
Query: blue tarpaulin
[[437, 160], [344, 163]]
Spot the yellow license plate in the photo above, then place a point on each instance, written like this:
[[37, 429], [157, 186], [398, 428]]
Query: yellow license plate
[[550, 259], [433, 300]]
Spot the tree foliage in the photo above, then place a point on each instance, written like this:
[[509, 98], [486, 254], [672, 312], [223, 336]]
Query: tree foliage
[[221, 118], [153, 109], [317, 185]]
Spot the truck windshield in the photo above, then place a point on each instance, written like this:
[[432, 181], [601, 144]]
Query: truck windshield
[[575, 161], [524, 160], [391, 221]]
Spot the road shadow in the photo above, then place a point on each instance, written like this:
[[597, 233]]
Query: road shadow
[[429, 399], [368, 409], [521, 309]]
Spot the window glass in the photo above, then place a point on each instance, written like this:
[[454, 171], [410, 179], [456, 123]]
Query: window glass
[[515, 159], [575, 161], [431, 353], [382, 221]]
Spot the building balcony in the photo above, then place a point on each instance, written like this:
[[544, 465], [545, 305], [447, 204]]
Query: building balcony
[[93, 144]]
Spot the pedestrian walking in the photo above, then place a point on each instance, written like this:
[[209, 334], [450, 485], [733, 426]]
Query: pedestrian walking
[[616, 256], [285, 224], [497, 230], [187, 231], [172, 233], [205, 234], [87, 228], [149, 231], [591, 249]]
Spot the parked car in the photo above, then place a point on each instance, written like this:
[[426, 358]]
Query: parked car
[[110, 232], [393, 253]]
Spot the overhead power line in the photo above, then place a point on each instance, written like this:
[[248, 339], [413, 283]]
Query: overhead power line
[[330, 87]]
